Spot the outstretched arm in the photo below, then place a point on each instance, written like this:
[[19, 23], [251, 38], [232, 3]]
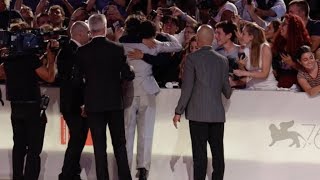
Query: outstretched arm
[[48, 72], [266, 65], [18, 5], [311, 91]]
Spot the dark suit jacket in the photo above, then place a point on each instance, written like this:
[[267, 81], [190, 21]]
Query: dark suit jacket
[[104, 65], [70, 79], [205, 78]]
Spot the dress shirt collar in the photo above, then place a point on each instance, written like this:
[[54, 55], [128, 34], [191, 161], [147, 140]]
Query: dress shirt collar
[[77, 43], [206, 47], [98, 36]]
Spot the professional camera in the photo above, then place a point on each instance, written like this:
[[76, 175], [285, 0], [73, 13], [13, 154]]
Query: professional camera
[[28, 41]]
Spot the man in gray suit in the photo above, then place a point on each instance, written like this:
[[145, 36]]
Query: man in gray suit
[[205, 78]]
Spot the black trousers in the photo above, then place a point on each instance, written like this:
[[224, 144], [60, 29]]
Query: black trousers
[[201, 133], [98, 122], [78, 130], [28, 134]]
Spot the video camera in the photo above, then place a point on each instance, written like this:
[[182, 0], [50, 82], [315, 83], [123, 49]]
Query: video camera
[[29, 41]]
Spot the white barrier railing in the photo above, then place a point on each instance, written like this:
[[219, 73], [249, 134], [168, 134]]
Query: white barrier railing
[[261, 126]]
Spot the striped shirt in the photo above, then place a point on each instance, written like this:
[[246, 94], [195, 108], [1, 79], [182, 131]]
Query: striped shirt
[[312, 81]]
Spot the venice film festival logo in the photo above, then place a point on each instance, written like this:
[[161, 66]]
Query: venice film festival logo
[[306, 135]]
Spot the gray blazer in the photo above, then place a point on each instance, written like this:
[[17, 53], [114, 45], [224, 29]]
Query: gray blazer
[[205, 78]]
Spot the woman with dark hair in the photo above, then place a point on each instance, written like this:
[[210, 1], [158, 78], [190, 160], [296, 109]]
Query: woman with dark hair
[[271, 29], [309, 76], [291, 35]]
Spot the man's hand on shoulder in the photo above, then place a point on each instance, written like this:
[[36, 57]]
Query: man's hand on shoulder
[[150, 43], [135, 54]]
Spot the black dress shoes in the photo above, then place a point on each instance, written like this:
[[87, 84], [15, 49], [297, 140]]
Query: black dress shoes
[[142, 174], [74, 177]]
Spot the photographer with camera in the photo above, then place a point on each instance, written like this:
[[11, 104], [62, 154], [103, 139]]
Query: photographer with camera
[[71, 100], [22, 72]]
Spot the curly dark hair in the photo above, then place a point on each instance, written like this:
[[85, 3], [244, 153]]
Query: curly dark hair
[[297, 35]]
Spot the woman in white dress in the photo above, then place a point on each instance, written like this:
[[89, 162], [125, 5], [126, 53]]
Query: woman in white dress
[[257, 71]]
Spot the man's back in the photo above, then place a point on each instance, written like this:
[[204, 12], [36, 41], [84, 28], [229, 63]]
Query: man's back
[[206, 77], [102, 61], [70, 79], [22, 80]]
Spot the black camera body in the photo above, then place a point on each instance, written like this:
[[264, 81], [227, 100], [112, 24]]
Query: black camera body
[[153, 14], [28, 41], [241, 55]]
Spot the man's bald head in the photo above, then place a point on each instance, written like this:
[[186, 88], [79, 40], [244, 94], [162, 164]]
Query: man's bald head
[[79, 32], [79, 27], [205, 35]]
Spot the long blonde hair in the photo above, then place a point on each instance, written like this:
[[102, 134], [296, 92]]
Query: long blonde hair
[[258, 38]]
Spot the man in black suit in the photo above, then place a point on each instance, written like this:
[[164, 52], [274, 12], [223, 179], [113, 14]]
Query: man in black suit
[[104, 65], [71, 100]]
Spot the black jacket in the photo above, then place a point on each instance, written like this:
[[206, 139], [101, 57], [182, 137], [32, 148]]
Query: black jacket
[[104, 65], [70, 79]]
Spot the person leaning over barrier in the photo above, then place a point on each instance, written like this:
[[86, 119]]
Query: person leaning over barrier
[[309, 76]]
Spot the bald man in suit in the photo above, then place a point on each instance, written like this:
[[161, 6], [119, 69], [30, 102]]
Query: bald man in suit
[[205, 78], [71, 100]]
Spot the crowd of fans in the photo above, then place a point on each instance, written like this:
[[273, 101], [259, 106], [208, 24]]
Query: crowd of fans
[[262, 39]]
